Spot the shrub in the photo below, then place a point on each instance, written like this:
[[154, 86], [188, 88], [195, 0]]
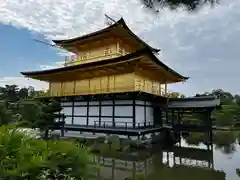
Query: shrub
[[22, 157]]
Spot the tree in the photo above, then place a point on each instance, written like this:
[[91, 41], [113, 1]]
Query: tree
[[174, 4], [23, 93], [25, 158], [49, 116], [10, 93], [175, 95], [6, 114], [42, 115]]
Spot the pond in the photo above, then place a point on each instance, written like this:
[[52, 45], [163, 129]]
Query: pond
[[190, 158]]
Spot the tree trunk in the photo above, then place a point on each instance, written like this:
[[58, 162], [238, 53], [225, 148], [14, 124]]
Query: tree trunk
[[46, 134]]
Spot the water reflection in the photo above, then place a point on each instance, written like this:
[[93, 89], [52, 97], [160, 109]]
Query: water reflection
[[224, 141], [191, 158]]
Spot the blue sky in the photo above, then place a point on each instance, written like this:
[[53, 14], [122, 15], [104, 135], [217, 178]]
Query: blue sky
[[202, 45], [19, 52]]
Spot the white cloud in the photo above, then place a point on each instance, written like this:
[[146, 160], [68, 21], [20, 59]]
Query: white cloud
[[52, 66], [23, 82], [60, 18], [190, 41]]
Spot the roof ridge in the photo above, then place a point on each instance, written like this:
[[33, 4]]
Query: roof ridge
[[121, 21]]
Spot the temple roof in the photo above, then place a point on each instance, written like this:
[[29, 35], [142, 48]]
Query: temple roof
[[134, 55], [194, 102], [120, 24]]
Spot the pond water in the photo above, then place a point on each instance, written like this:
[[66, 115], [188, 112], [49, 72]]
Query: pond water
[[190, 158]]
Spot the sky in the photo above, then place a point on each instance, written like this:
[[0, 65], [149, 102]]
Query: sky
[[203, 45]]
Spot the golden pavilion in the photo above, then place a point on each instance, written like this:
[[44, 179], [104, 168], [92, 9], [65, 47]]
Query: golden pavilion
[[115, 81]]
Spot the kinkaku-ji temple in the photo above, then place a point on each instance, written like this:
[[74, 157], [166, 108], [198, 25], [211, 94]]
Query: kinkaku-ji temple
[[115, 84]]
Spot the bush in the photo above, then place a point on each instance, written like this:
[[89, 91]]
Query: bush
[[23, 157]]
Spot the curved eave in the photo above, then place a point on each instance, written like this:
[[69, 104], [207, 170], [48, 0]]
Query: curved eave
[[136, 54], [120, 22], [160, 63]]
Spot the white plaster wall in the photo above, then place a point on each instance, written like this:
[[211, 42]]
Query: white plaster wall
[[80, 103], [121, 122], [139, 115], [139, 102], [66, 103], [81, 111], [67, 111], [124, 111], [68, 120], [92, 120], [94, 103], [108, 111], [108, 121], [149, 115], [124, 102], [94, 111], [80, 120], [107, 102]]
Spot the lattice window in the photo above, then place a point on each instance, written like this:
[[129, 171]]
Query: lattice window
[[121, 50], [84, 56], [107, 51]]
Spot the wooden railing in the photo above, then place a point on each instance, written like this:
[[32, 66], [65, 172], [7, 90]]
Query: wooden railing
[[122, 124], [153, 89], [76, 59]]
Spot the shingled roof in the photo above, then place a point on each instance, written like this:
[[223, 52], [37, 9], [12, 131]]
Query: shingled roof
[[119, 24], [105, 62]]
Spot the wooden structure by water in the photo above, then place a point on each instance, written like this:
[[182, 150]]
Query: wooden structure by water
[[115, 84]]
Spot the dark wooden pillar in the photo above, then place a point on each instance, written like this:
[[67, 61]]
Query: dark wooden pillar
[[73, 104], [88, 110], [160, 116], [179, 117], [113, 113], [145, 113], [113, 169], [157, 116], [134, 112], [100, 112], [166, 115], [173, 117], [210, 124], [167, 158]]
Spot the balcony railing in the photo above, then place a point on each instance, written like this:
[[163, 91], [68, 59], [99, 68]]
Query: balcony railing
[[87, 57], [69, 60]]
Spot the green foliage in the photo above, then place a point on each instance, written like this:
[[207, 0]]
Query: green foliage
[[238, 172], [22, 157], [140, 176], [6, 114], [175, 95], [229, 114], [195, 138], [19, 105], [48, 116], [174, 4]]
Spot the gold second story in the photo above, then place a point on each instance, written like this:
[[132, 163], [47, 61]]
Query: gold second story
[[138, 71], [100, 50], [114, 41]]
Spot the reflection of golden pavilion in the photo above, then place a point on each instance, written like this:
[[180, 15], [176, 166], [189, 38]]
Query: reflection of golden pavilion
[[156, 167]]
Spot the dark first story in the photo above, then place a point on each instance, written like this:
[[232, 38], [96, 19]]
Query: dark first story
[[135, 115]]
